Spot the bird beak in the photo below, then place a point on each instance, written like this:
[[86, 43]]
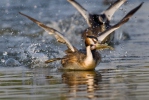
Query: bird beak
[[99, 46]]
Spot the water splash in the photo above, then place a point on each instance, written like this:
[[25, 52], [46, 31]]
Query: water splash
[[10, 62]]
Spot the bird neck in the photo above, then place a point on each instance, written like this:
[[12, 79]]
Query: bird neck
[[89, 55]]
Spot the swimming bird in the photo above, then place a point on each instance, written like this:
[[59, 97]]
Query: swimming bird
[[78, 60], [99, 22]]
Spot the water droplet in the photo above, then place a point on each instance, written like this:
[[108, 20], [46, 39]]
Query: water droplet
[[2, 60], [5, 53], [110, 51], [35, 6], [12, 62], [43, 40], [126, 53]]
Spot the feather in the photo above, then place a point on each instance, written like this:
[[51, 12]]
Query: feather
[[60, 38]]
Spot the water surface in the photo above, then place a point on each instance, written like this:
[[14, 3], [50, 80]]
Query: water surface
[[122, 74]]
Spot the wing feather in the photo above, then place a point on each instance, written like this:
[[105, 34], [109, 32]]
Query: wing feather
[[82, 10], [113, 8], [104, 34], [60, 38]]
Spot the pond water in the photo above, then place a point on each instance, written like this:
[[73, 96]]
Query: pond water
[[122, 75]]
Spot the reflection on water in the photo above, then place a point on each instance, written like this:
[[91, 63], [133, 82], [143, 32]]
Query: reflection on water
[[82, 81], [43, 83]]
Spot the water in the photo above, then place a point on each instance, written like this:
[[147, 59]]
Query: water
[[122, 74], [41, 83]]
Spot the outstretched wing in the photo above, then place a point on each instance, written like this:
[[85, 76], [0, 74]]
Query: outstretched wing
[[108, 13], [50, 30], [82, 10], [112, 9], [103, 35]]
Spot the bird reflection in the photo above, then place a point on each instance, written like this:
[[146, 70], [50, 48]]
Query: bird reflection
[[113, 84], [78, 81]]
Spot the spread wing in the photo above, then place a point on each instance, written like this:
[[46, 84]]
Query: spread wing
[[109, 12], [112, 9], [103, 35], [82, 10], [50, 30]]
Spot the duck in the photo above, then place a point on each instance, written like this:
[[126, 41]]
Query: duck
[[98, 20], [97, 23], [76, 59]]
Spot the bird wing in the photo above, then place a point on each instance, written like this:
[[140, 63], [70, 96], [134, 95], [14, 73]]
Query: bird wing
[[104, 34], [60, 38], [112, 9], [82, 10]]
